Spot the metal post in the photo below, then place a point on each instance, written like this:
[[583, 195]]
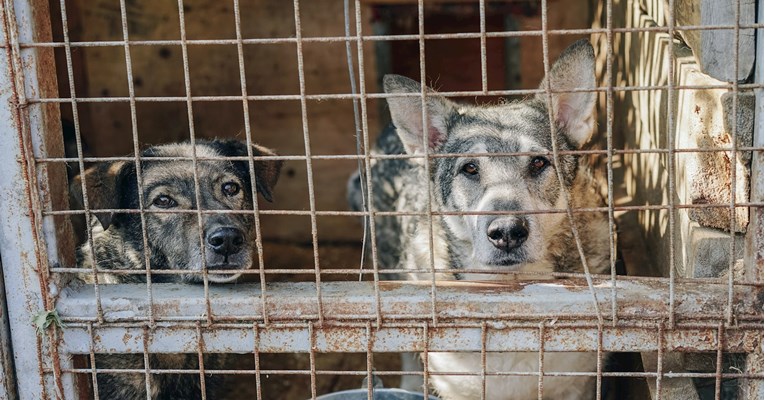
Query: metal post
[[29, 241]]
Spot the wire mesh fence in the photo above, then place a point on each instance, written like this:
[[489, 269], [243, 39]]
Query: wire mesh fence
[[147, 308]]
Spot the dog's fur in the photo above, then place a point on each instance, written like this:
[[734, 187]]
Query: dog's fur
[[173, 239], [525, 242]]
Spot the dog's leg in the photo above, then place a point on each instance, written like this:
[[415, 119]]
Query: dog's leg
[[411, 362]]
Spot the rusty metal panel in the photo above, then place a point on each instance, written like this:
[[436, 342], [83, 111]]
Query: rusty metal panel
[[513, 310], [7, 375], [27, 243]]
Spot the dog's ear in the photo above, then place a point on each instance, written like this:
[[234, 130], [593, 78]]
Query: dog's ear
[[406, 113], [266, 171], [106, 185], [573, 112]]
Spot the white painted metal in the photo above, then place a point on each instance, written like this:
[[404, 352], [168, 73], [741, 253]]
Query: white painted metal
[[514, 310]]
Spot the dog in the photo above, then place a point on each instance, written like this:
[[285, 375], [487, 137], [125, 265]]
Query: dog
[[467, 245], [173, 239]]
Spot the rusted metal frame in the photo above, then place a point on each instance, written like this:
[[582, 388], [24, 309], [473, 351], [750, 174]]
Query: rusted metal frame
[[541, 367], [563, 299], [610, 155], [410, 304], [28, 239], [194, 161], [370, 207], [201, 361], [256, 357], [78, 142], [374, 38], [733, 166], [136, 154], [370, 362], [670, 129], [307, 149], [426, 161], [413, 213], [7, 374], [324, 372], [346, 96], [556, 160], [250, 156], [753, 246]]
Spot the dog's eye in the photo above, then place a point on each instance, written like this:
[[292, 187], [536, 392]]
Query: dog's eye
[[164, 202], [470, 169], [230, 188], [538, 164]]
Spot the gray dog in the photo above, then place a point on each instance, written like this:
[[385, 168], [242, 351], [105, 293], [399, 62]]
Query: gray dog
[[173, 239], [524, 240]]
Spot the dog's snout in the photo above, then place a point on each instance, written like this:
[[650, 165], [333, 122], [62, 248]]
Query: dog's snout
[[226, 241], [508, 233]]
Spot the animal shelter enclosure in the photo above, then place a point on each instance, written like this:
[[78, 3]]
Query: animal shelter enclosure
[[676, 155]]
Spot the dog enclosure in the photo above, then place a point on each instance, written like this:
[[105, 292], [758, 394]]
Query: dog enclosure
[[679, 150]]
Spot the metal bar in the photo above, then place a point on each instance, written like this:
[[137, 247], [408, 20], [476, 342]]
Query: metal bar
[[503, 304], [28, 239], [347, 96], [7, 375], [377, 38], [334, 339], [753, 247]]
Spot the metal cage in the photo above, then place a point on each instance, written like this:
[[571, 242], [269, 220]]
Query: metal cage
[[659, 317]]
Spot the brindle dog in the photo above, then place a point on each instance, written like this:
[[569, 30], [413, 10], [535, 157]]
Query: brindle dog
[[173, 238]]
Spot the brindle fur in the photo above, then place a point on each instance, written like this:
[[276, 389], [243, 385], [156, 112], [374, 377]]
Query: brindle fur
[[503, 183], [173, 242]]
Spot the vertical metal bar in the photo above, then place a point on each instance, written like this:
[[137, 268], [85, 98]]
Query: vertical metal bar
[[610, 149], [753, 254], [308, 160], [483, 360], [253, 176], [92, 358], [556, 160], [137, 155], [671, 159], [482, 16], [146, 363], [370, 363], [425, 361], [256, 356], [195, 164], [368, 163], [599, 377], [201, 360], [7, 375], [719, 358], [541, 366], [660, 360], [733, 165], [23, 236], [312, 357], [81, 164], [426, 153]]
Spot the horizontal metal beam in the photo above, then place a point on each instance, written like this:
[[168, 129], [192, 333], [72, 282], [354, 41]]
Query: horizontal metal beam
[[514, 310]]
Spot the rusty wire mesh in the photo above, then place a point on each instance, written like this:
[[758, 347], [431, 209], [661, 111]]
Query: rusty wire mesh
[[375, 317]]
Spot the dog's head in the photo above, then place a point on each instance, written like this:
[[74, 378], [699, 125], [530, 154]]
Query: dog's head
[[178, 237], [519, 183]]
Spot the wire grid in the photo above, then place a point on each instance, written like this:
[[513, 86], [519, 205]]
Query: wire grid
[[317, 321]]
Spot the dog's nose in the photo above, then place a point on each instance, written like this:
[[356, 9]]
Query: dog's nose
[[508, 233], [226, 241]]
